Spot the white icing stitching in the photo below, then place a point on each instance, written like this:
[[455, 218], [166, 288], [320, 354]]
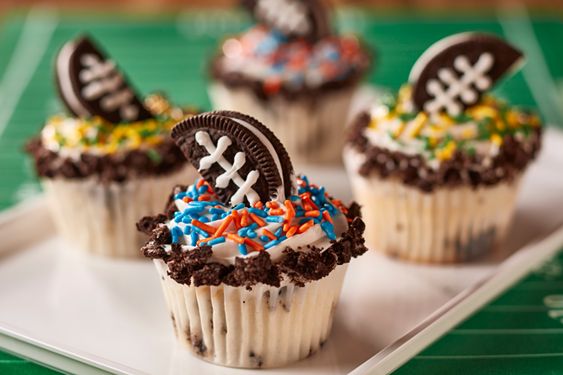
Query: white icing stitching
[[231, 170], [101, 78], [449, 89], [286, 15]]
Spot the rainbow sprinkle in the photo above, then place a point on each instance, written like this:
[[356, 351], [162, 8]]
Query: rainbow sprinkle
[[203, 220]]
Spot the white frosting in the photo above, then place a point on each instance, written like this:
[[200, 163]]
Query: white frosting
[[231, 170], [380, 135], [285, 15], [449, 89], [227, 252]]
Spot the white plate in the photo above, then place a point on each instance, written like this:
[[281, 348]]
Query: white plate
[[111, 314]]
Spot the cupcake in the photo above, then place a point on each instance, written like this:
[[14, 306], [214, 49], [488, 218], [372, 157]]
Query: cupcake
[[293, 73], [437, 168], [111, 148], [251, 257]]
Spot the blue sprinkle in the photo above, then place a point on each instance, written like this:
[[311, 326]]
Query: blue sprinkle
[[242, 249], [202, 189], [188, 230], [216, 217], [178, 218], [193, 210], [242, 231], [216, 211], [195, 216], [294, 198], [253, 226], [176, 234], [279, 232], [216, 241], [186, 220], [272, 243], [257, 212], [264, 238], [194, 238], [199, 231], [274, 219], [251, 234], [328, 228], [204, 219], [180, 195]]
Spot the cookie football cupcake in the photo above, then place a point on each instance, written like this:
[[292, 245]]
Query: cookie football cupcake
[[251, 257], [109, 150], [292, 72], [437, 168]]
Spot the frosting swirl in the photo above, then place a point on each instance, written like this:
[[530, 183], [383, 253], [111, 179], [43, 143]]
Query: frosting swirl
[[479, 131], [309, 218], [70, 136], [278, 62]]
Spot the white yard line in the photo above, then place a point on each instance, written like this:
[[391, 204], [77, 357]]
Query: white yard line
[[34, 39], [491, 356], [518, 29]]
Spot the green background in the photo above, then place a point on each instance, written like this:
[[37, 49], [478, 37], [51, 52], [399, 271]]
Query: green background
[[169, 53]]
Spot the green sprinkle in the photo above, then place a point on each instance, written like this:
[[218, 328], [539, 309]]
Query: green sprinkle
[[407, 116], [154, 156], [462, 118]]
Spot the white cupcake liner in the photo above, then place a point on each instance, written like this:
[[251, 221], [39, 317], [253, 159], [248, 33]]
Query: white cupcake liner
[[311, 128], [447, 225], [101, 219], [258, 328]]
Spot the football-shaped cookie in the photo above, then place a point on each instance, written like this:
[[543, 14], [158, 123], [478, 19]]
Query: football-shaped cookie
[[91, 85], [241, 158], [454, 72], [294, 18]]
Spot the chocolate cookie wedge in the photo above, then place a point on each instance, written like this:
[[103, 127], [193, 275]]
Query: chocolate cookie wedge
[[293, 18], [90, 84], [238, 155], [454, 72]]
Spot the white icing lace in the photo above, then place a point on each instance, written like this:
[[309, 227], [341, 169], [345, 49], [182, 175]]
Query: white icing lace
[[231, 170], [449, 89], [102, 78], [285, 15]]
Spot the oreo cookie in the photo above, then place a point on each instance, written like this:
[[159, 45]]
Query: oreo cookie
[[294, 18], [91, 85], [239, 156], [454, 72]]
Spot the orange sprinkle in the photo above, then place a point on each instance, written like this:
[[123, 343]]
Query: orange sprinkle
[[276, 212], [258, 220], [306, 226], [235, 237], [244, 220], [208, 228], [269, 234], [204, 197], [187, 199], [258, 204], [255, 245], [272, 204], [291, 231], [290, 211], [200, 183], [224, 225], [307, 207], [327, 217], [314, 213], [236, 219]]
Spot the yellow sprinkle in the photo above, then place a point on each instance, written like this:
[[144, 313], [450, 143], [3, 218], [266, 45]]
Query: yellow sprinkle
[[496, 139], [417, 124], [445, 120], [399, 130], [447, 151], [500, 124], [373, 123], [433, 141], [482, 111], [469, 133]]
